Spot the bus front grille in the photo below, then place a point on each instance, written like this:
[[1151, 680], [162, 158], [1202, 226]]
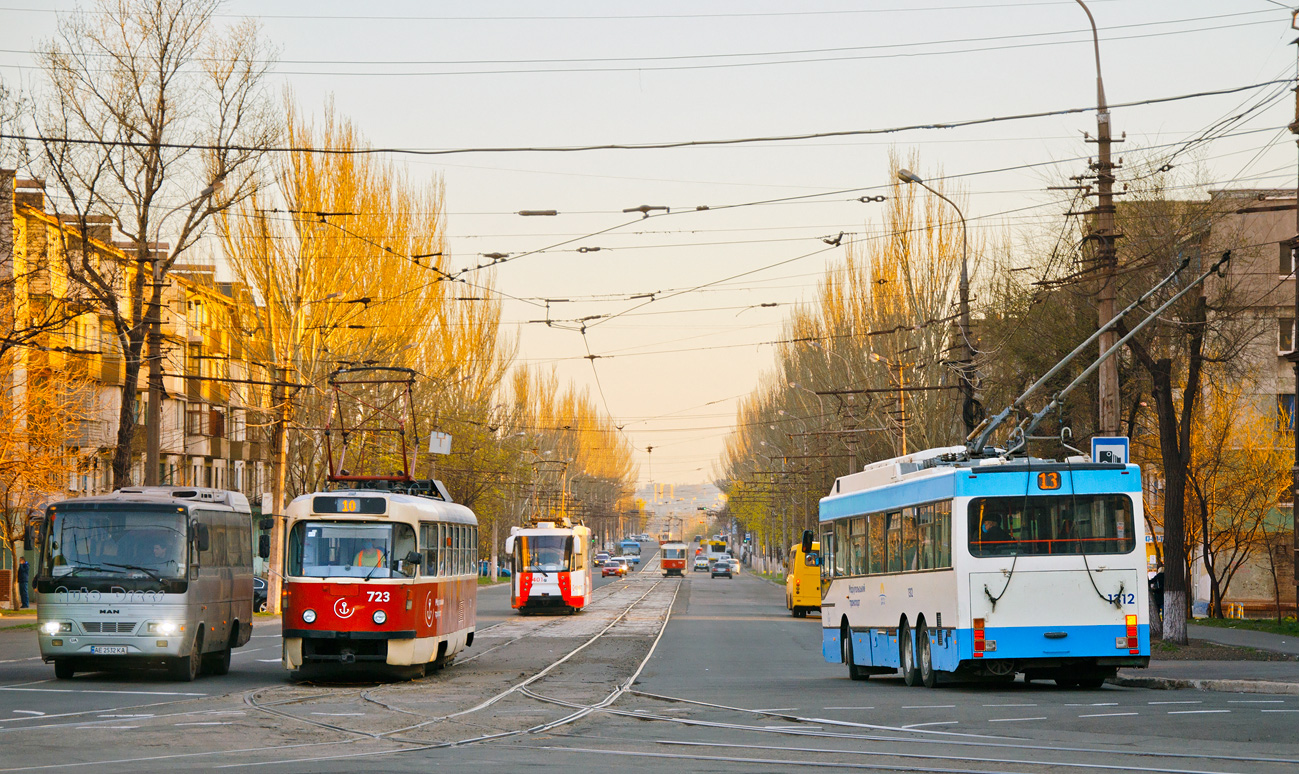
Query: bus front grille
[[108, 627]]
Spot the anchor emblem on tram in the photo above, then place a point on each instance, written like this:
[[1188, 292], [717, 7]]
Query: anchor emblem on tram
[[342, 610], [428, 609]]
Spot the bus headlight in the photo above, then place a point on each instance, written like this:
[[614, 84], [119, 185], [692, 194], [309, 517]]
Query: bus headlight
[[380, 616], [309, 616], [164, 628], [56, 627]]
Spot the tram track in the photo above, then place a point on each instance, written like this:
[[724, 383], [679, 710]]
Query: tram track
[[397, 735]]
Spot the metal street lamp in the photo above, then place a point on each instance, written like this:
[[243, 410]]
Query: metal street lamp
[[970, 408]]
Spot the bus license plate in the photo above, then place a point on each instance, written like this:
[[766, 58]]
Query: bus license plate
[[108, 650]]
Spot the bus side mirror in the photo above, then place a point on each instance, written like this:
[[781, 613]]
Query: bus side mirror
[[807, 541], [202, 538], [29, 540], [509, 546], [264, 546]]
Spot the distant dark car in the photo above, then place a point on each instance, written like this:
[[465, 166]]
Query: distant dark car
[[721, 567], [601, 558], [259, 594]]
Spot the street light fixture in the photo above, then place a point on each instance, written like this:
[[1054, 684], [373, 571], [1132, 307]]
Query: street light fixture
[[970, 408]]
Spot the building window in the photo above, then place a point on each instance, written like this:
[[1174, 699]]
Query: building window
[[1285, 334], [1287, 253], [1285, 411]]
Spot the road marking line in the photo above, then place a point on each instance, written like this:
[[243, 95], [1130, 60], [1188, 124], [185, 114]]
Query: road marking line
[[777, 709], [77, 690], [16, 660], [27, 712], [1197, 712], [930, 706], [1106, 704], [1174, 702], [934, 723], [341, 714], [1011, 720], [847, 708], [1108, 714], [206, 723], [95, 728], [1010, 705], [126, 716], [1294, 710], [1256, 701], [269, 660]]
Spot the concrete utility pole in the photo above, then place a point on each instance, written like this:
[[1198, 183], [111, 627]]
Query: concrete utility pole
[[1106, 253], [1293, 357]]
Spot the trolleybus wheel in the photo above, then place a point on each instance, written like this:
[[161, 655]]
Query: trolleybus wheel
[[907, 656], [928, 677], [1091, 682], [1066, 682], [845, 645], [63, 669]]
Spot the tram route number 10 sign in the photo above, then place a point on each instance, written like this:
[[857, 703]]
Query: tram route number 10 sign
[[1110, 449]]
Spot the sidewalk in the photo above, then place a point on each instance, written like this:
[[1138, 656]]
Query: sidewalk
[[9, 621], [1274, 677]]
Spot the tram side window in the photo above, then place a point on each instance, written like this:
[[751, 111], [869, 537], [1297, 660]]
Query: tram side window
[[428, 541], [460, 549], [403, 544], [579, 553]]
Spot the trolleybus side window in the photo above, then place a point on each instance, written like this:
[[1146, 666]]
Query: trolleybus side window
[[1051, 525], [857, 562], [909, 547]]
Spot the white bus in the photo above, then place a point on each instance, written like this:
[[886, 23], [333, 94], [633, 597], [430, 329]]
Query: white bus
[[936, 564], [146, 576]]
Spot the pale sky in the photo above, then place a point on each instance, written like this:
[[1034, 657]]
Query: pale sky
[[461, 75]]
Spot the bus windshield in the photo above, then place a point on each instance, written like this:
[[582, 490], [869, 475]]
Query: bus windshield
[[1051, 525], [136, 543], [630, 548], [545, 553], [325, 549]]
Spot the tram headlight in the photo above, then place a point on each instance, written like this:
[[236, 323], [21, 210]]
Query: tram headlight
[[380, 616], [56, 627], [164, 628], [309, 616]]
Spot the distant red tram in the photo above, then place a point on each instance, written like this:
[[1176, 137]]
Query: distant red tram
[[672, 557]]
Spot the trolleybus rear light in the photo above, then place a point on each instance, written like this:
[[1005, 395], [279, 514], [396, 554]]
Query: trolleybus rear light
[[1131, 621], [979, 642]]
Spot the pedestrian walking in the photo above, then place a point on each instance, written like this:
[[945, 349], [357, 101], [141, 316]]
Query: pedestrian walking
[[24, 581], [1157, 590]]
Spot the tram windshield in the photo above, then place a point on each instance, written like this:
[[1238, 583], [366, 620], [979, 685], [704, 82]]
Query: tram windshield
[[135, 543], [545, 553], [1051, 525], [333, 549]]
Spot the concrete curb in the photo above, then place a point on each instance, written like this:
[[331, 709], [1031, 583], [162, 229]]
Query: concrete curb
[[1222, 686]]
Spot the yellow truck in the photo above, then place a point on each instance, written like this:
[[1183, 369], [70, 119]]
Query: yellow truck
[[803, 581]]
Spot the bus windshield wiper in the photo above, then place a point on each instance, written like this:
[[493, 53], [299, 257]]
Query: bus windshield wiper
[[136, 567]]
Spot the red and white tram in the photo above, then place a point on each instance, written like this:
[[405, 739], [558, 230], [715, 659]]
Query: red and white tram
[[379, 577], [672, 557], [550, 568]]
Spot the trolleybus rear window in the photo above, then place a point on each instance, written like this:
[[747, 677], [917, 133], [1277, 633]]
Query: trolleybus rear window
[[1051, 525]]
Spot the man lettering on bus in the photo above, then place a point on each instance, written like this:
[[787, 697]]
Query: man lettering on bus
[[993, 532], [370, 556]]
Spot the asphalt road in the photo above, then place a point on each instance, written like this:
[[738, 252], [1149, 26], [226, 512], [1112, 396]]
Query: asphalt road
[[724, 680]]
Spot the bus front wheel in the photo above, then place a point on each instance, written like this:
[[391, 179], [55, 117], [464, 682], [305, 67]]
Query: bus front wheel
[[63, 669]]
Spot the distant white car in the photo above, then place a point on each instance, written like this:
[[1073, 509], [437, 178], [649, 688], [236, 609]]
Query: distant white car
[[701, 563]]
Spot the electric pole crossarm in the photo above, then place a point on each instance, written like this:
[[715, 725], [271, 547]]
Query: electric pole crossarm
[[1027, 430], [990, 426]]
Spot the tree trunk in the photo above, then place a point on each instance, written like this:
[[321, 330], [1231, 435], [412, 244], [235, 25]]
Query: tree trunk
[[1156, 618], [1175, 585]]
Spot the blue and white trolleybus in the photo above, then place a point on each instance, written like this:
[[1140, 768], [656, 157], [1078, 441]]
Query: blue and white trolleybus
[[940, 563]]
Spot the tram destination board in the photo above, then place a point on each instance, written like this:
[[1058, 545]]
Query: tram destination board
[[348, 504]]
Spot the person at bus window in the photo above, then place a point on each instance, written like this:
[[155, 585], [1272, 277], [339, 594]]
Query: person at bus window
[[159, 558], [369, 556], [993, 533]]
